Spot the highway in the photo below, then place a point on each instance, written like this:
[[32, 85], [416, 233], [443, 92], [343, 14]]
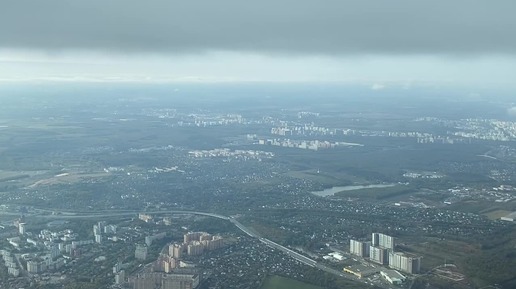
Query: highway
[[105, 214], [295, 255]]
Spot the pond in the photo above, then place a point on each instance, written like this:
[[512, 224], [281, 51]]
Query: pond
[[333, 190]]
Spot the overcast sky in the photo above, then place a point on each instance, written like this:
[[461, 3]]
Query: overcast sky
[[371, 41]]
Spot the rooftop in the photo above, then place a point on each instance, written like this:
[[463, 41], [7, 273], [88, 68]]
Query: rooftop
[[361, 270], [393, 274]]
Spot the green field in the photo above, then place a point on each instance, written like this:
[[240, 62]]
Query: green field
[[497, 214], [278, 282], [377, 193]]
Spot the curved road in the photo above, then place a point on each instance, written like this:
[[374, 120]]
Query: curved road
[[295, 255]]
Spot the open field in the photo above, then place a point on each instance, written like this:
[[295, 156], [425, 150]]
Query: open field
[[490, 209], [327, 178], [377, 193], [313, 176], [67, 178], [438, 252], [6, 176], [269, 231], [497, 214], [278, 282]]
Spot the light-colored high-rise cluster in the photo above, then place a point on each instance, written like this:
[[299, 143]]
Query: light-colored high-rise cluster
[[381, 250], [403, 262], [197, 242], [359, 248], [194, 244]]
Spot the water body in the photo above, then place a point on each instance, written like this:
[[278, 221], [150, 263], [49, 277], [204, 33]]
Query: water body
[[332, 191]]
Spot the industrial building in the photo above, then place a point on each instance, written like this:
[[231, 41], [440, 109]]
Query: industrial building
[[361, 271], [392, 276], [336, 256], [510, 217]]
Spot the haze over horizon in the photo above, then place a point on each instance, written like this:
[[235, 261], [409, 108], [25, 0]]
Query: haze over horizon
[[403, 42]]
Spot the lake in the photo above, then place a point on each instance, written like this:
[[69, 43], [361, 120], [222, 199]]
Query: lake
[[332, 191]]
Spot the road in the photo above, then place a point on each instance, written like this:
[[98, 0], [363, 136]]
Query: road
[[295, 255]]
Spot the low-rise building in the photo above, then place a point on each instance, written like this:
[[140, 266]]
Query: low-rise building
[[145, 217], [510, 217], [361, 271], [150, 239], [392, 276], [13, 271]]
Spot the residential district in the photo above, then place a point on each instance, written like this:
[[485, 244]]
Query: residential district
[[380, 250], [48, 256]]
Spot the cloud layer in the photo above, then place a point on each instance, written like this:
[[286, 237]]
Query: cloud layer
[[332, 27], [512, 111]]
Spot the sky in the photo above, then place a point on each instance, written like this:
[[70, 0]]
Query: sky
[[377, 42]]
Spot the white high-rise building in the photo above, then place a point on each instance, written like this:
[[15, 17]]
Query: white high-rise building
[[96, 230], [110, 229], [13, 271], [382, 240], [21, 228], [120, 277], [54, 252], [379, 255], [404, 263], [359, 248], [175, 250], [117, 268], [33, 267]]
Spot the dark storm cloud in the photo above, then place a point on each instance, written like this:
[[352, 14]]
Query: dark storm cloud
[[264, 26]]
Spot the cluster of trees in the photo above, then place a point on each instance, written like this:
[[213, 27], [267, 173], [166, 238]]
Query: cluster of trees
[[3, 273]]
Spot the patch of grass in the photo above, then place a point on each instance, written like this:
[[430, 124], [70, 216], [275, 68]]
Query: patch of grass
[[12, 175], [314, 176], [377, 193], [269, 231], [497, 214], [437, 252], [278, 282], [476, 207]]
